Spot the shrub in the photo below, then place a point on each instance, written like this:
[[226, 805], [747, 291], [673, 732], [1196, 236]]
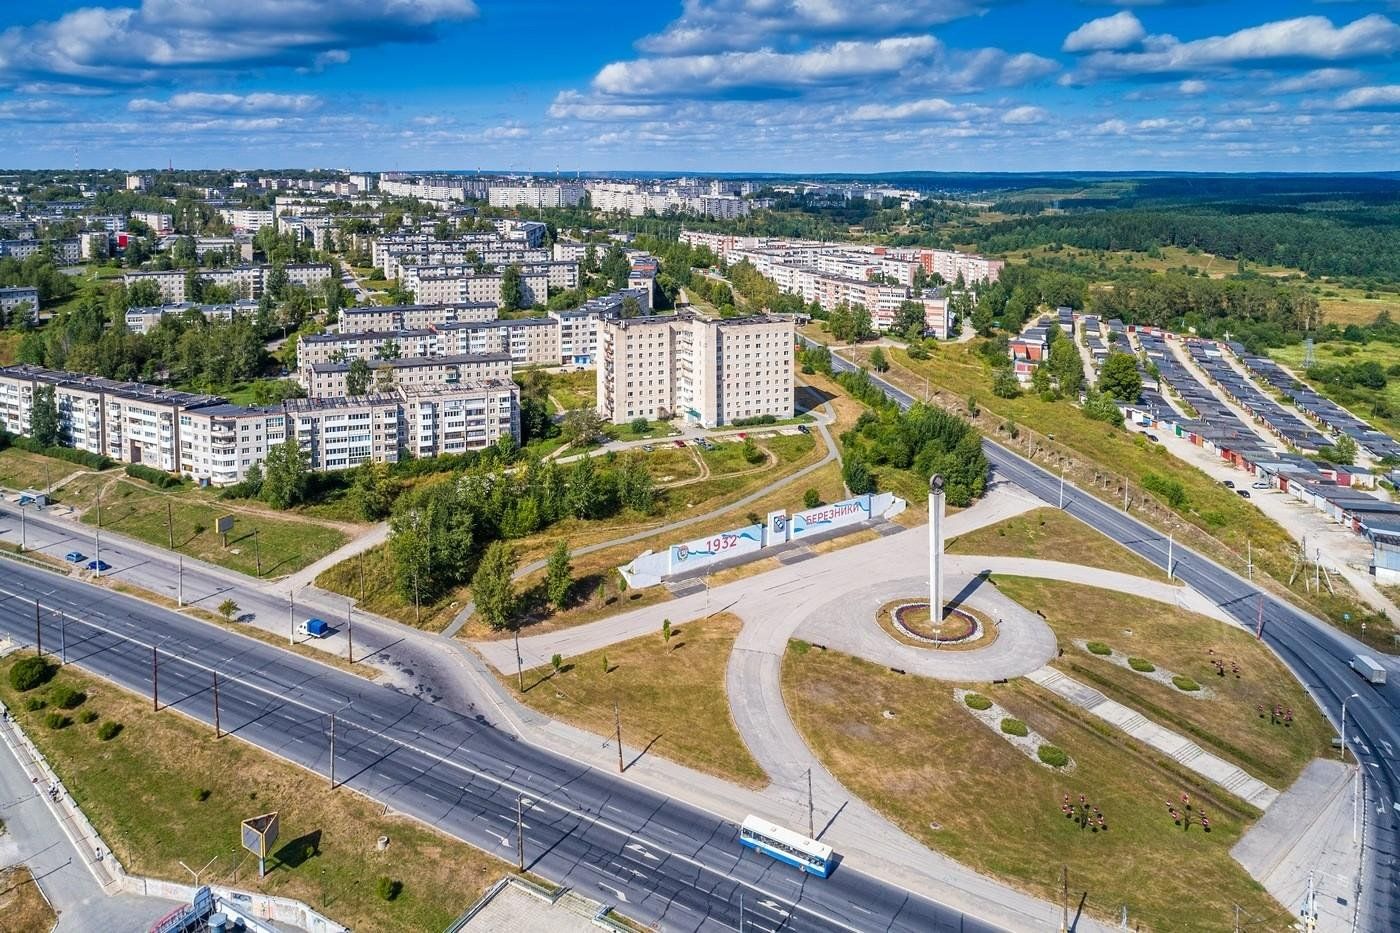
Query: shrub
[[109, 730], [34, 703], [202, 794], [1099, 648], [799, 647], [56, 721], [62, 695], [755, 420], [1014, 727], [30, 673], [87, 716], [1185, 683], [388, 888], [157, 478], [1142, 665], [1052, 755], [72, 455], [977, 701], [811, 499]]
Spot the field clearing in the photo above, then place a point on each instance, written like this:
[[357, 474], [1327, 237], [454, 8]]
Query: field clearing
[[145, 792], [904, 745], [573, 390], [21, 470], [23, 908], [131, 507], [671, 696], [1049, 534], [1362, 402]]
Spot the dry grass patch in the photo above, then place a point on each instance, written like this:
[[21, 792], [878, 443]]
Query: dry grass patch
[[23, 908], [21, 470], [1227, 722], [1049, 534], [142, 790], [961, 789], [671, 696]]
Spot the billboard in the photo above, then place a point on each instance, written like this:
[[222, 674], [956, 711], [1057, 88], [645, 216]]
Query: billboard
[[827, 517], [712, 548]]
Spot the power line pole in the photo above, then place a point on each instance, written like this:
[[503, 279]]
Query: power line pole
[[180, 582], [155, 679], [617, 723], [811, 818], [519, 671], [520, 831], [332, 751], [349, 635], [1064, 898], [216, 703], [38, 633], [62, 639], [169, 526], [257, 551]]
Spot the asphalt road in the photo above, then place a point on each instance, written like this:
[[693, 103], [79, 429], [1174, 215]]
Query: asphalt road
[[656, 859], [1317, 654]]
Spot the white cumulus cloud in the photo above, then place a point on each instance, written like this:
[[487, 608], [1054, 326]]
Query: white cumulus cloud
[[1108, 32], [1384, 97], [196, 102]]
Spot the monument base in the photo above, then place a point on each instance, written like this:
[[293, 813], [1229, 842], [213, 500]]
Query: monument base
[[909, 622]]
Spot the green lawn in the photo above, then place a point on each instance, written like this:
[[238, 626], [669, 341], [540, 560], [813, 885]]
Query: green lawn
[[20, 469], [1227, 722], [576, 389], [145, 792], [671, 696], [133, 508], [904, 745], [624, 432], [1049, 534]]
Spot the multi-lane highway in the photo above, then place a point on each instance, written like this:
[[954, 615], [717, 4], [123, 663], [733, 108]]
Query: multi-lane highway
[[654, 858], [1316, 653]]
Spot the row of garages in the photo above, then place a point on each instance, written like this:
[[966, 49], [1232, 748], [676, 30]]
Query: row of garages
[[1294, 431]]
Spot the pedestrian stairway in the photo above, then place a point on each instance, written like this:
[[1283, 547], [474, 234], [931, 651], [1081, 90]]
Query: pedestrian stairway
[[1180, 749]]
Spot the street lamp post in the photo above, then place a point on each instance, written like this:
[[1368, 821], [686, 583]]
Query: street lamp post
[[1344, 724]]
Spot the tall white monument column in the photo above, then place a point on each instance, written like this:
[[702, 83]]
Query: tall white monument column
[[935, 550]]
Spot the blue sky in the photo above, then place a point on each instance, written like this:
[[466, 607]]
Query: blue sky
[[697, 85]]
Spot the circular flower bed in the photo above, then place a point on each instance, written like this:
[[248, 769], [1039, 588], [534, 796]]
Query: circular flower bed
[[977, 701], [914, 620], [1185, 683], [1142, 665], [1099, 648]]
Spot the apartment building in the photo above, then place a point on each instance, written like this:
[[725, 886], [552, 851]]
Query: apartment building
[[950, 264], [246, 220], [127, 421], [11, 299], [64, 252], [536, 196], [221, 442], [451, 420], [413, 317], [712, 372], [339, 433], [245, 281], [330, 380], [160, 223], [433, 284], [144, 320]]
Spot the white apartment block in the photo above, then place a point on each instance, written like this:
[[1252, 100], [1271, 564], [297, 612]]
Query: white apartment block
[[160, 223], [330, 380], [536, 196], [138, 182], [413, 317], [244, 281], [438, 420], [64, 252], [339, 433], [144, 320], [451, 284], [950, 264], [711, 372], [220, 442], [528, 342], [440, 188], [245, 220]]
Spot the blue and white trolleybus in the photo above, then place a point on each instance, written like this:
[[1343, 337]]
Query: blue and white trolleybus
[[786, 846]]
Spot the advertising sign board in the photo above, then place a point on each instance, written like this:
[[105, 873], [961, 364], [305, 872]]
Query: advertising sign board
[[716, 547]]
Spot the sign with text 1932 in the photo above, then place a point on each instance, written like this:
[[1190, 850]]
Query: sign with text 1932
[[715, 547]]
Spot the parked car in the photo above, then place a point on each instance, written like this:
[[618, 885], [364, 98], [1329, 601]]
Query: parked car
[[804, 429], [74, 557], [680, 443], [648, 448], [1259, 485], [314, 628], [1242, 493], [1228, 484], [101, 566], [1153, 438]]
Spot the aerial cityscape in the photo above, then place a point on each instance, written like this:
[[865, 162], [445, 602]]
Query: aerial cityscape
[[703, 465]]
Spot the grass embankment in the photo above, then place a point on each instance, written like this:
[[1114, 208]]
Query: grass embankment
[[21, 470], [671, 697], [1049, 534], [1359, 400], [144, 792], [1099, 457], [23, 908], [578, 389], [903, 744], [1227, 721], [592, 571], [130, 507]]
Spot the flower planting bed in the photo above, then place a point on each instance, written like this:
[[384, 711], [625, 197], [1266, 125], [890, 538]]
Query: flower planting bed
[[907, 621], [1181, 684], [1031, 744]]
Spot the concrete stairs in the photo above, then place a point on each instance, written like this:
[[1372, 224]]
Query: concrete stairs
[[1180, 749]]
